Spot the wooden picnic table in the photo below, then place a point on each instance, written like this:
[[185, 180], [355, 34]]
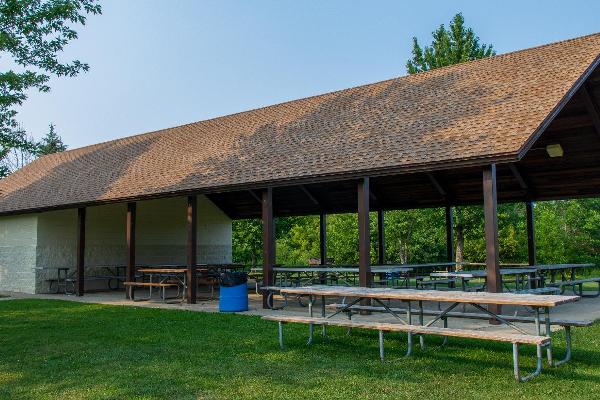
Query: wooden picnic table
[[552, 270], [382, 296], [465, 276], [299, 276], [178, 273]]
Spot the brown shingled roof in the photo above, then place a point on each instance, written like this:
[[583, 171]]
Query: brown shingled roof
[[471, 113]]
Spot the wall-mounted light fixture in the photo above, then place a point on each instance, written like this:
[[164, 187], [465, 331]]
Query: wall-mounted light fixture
[[555, 150]]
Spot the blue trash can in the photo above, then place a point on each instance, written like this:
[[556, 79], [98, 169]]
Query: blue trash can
[[233, 298]]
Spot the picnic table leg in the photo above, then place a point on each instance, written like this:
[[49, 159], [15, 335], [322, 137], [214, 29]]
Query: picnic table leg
[[324, 328], [281, 335], [517, 371], [568, 350], [421, 337], [409, 349], [381, 348], [445, 342], [536, 318], [548, 333]]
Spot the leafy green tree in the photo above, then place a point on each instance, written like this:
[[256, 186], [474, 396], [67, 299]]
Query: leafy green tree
[[449, 46], [247, 241], [51, 143], [33, 33]]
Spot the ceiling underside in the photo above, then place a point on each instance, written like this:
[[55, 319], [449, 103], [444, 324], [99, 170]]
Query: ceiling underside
[[536, 176]]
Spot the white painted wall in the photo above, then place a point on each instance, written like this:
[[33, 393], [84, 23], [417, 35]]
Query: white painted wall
[[18, 237], [47, 241]]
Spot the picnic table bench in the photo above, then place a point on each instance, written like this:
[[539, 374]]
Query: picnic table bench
[[577, 286], [454, 298], [523, 277], [65, 280]]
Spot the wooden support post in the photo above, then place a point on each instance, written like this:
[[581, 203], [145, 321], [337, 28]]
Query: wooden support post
[[450, 235], [380, 238], [192, 240], [492, 258], [323, 237], [268, 224], [450, 240], [364, 236], [130, 235], [531, 248], [81, 251]]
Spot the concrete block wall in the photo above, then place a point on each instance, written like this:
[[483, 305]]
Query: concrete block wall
[[33, 246], [18, 239]]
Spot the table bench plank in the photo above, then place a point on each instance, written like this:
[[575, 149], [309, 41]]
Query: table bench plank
[[417, 329]]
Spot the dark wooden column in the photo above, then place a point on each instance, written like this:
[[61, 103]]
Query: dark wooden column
[[450, 235], [323, 238], [531, 249], [364, 236], [130, 236], [490, 208], [192, 240], [268, 224], [80, 251], [380, 238]]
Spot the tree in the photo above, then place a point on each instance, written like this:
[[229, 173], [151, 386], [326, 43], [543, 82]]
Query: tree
[[449, 46], [247, 241], [33, 33], [51, 143], [18, 155]]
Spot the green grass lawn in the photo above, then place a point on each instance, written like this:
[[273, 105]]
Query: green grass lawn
[[67, 350]]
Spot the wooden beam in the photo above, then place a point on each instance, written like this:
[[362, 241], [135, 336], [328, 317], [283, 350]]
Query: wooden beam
[[364, 235], [221, 205], [309, 195], [81, 251], [518, 176], [192, 241], [450, 235], [570, 122], [372, 196], [531, 246], [130, 237], [323, 237], [591, 107], [268, 240], [380, 237], [490, 208], [256, 197], [437, 185]]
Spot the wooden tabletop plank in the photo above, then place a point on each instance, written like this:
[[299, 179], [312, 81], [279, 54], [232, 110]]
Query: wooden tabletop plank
[[374, 270], [548, 267], [163, 270], [434, 295], [482, 273]]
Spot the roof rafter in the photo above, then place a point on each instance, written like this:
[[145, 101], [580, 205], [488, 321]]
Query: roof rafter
[[443, 192], [256, 197], [591, 106], [310, 196], [518, 176]]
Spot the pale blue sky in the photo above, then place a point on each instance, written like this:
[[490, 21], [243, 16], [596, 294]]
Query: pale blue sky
[[157, 64]]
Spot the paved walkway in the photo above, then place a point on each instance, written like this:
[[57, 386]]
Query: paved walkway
[[585, 309]]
